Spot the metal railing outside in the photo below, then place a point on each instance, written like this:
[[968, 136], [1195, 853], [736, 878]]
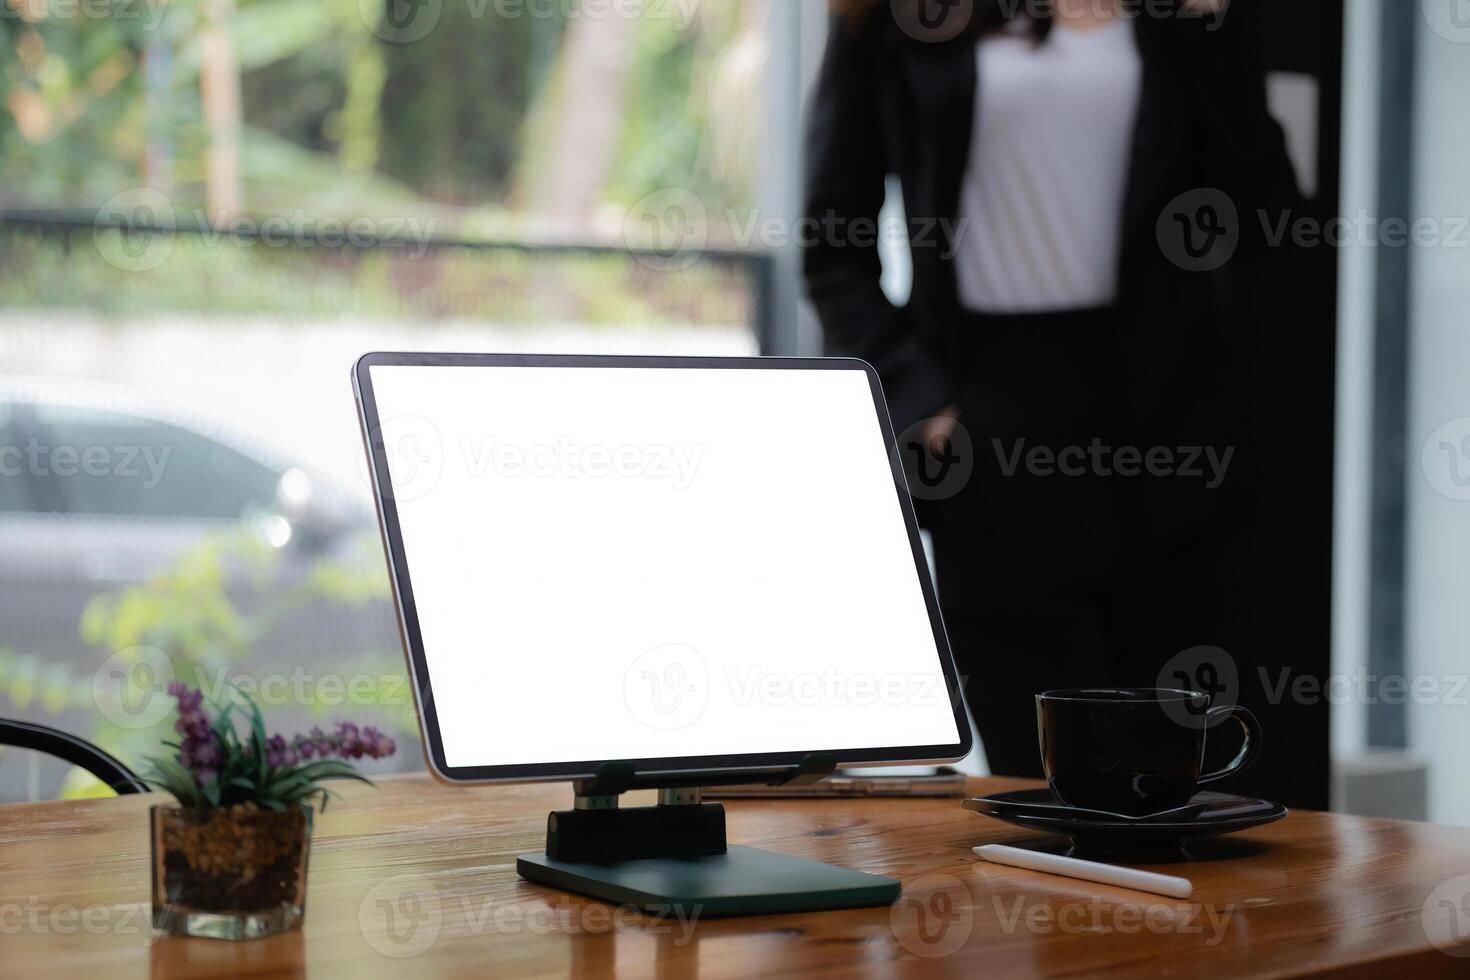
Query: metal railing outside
[[81, 259]]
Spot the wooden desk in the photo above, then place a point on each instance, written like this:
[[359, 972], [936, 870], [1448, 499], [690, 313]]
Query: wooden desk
[[1312, 894]]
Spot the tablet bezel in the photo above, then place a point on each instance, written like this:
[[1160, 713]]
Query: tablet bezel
[[673, 765]]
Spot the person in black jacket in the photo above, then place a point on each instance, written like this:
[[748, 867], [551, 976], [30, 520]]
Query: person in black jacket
[[1080, 182]]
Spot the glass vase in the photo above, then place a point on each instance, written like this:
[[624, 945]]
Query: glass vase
[[236, 872]]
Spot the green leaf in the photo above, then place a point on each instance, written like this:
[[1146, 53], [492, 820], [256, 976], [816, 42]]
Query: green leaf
[[287, 784], [171, 777], [257, 733]]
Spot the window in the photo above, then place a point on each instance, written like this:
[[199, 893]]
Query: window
[[84, 461], [15, 491]]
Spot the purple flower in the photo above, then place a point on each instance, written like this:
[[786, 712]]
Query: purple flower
[[279, 752], [208, 757], [376, 744], [199, 751], [347, 742]]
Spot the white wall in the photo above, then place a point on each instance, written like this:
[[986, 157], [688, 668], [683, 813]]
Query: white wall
[[1438, 559], [1355, 289]]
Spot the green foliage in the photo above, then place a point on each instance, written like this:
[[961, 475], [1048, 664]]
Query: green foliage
[[433, 137], [502, 286], [96, 104], [184, 610], [454, 102], [244, 772], [187, 613], [30, 679], [72, 87]]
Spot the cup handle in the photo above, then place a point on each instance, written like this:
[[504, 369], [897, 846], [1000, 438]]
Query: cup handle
[[1249, 749]]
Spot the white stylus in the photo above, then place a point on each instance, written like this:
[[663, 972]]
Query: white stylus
[[1106, 874]]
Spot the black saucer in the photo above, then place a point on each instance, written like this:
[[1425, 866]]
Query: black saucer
[[1037, 809]]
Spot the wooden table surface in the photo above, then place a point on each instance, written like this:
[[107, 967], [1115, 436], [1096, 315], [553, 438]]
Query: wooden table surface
[[418, 879]]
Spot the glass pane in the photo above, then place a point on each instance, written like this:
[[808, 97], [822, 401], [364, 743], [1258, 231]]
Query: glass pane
[[123, 465], [214, 209], [14, 480]]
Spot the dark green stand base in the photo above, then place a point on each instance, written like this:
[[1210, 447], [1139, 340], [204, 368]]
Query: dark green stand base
[[742, 881]]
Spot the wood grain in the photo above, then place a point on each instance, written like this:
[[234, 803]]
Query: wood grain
[[419, 868]]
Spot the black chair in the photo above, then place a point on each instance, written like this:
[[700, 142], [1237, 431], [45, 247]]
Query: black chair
[[77, 751]]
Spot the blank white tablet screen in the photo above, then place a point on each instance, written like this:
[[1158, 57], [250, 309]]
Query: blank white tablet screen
[[639, 563]]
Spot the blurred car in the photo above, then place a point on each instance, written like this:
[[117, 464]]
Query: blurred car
[[102, 488]]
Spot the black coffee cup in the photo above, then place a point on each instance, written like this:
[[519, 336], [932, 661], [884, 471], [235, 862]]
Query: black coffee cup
[[1133, 750]]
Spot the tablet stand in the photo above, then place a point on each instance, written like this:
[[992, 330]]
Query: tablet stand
[[673, 856]]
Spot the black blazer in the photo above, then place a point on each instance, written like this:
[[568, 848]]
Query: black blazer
[[886, 103]]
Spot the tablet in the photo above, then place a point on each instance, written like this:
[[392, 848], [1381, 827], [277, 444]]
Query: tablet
[[681, 563]]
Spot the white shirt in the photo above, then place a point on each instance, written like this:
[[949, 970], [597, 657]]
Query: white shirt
[[1043, 193]]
